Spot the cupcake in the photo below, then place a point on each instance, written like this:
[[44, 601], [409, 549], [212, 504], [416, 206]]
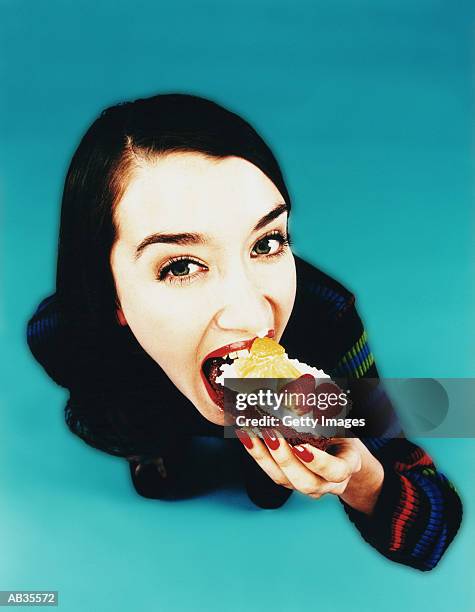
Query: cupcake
[[293, 382]]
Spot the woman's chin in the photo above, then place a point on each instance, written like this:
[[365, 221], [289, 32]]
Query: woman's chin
[[217, 417], [209, 409], [211, 412]]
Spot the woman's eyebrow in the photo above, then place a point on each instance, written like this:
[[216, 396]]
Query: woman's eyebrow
[[191, 238], [270, 216], [182, 239]]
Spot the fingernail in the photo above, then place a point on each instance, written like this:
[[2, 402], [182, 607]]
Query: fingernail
[[271, 439], [245, 439], [302, 453]]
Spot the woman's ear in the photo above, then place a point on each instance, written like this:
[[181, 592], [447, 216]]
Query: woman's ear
[[120, 317]]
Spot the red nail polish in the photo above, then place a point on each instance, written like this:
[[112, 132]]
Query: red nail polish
[[302, 453], [245, 439], [271, 439]]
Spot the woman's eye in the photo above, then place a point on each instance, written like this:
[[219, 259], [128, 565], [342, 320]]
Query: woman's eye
[[186, 270], [179, 271], [269, 245], [181, 268]]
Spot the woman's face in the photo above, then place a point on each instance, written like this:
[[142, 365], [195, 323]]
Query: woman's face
[[200, 263]]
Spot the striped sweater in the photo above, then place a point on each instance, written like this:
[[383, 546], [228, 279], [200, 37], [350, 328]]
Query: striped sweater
[[418, 511]]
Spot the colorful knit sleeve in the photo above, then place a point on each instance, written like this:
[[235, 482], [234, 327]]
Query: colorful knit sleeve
[[101, 419], [418, 512], [46, 340]]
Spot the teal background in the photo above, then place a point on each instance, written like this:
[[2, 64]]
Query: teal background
[[369, 107]]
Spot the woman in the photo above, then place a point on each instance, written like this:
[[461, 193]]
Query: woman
[[173, 244]]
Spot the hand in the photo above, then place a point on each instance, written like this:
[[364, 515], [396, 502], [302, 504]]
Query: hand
[[351, 471]]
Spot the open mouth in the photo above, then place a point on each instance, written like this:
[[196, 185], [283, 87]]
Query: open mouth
[[211, 369]]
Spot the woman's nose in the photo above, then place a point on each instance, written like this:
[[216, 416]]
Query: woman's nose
[[244, 306]]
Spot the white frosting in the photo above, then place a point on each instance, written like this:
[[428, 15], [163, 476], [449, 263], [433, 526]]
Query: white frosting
[[229, 371]]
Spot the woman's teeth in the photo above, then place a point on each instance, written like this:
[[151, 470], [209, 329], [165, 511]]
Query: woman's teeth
[[237, 354]]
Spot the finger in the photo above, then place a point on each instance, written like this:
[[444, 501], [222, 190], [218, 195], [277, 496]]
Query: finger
[[351, 456], [262, 457], [332, 488], [330, 468], [298, 475], [348, 449]]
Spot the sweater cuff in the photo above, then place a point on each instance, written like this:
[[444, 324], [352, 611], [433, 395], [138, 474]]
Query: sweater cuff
[[396, 509]]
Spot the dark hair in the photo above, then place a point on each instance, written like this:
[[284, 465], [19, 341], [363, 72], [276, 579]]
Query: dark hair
[[96, 180]]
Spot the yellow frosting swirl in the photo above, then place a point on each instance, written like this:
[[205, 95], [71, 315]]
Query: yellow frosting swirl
[[267, 359]]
